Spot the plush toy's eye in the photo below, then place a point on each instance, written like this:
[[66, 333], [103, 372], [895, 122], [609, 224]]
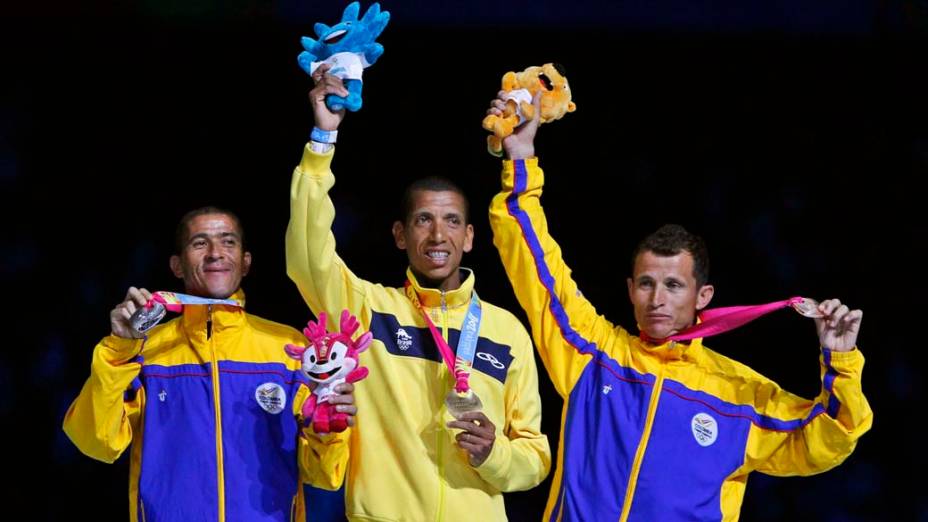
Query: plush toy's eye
[[339, 351], [312, 358]]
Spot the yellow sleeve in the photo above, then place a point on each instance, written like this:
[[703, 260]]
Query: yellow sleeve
[[102, 418], [521, 457], [565, 326], [828, 429], [323, 458], [324, 281]]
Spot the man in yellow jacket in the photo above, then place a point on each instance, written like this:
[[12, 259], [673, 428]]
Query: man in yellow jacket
[[209, 401], [654, 428], [410, 459]]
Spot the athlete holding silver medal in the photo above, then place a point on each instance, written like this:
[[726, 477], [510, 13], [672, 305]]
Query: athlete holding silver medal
[[208, 397]]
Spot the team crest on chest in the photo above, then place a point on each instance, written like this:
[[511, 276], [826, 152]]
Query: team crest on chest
[[705, 429], [271, 397], [403, 339]]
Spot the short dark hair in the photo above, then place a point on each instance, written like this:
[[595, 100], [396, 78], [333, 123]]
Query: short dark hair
[[432, 184], [183, 226], [670, 240]]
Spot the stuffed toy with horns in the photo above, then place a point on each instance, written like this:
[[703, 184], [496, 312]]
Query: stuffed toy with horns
[[330, 359], [347, 46]]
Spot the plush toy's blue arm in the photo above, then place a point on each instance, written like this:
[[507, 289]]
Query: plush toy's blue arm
[[372, 52], [311, 45], [305, 59]]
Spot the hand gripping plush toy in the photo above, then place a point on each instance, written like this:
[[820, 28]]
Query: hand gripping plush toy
[[349, 47], [521, 87], [330, 359]]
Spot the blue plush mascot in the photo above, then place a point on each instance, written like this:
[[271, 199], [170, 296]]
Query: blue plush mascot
[[349, 47]]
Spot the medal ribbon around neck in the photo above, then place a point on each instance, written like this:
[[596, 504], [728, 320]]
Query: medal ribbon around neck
[[459, 365]]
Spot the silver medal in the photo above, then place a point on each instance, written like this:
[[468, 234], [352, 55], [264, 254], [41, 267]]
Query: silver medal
[[461, 403], [808, 307], [145, 319]]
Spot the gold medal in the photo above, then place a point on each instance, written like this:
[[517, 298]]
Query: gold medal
[[460, 403]]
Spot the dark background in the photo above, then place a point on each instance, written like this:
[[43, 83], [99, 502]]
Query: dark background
[[791, 136]]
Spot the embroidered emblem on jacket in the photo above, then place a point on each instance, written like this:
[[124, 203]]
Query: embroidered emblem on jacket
[[490, 358], [271, 397], [705, 429], [403, 340]]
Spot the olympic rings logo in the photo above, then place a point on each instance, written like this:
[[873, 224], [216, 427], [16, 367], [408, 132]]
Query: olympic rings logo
[[488, 357]]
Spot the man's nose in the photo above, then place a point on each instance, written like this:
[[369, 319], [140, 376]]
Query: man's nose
[[656, 298], [437, 233], [214, 251]]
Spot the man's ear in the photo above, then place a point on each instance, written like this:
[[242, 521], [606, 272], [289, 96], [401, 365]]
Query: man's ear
[[176, 267], [399, 235], [468, 238], [704, 296], [246, 263]]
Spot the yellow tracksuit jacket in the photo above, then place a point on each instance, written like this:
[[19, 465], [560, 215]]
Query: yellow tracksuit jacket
[[666, 432], [212, 414], [405, 464]]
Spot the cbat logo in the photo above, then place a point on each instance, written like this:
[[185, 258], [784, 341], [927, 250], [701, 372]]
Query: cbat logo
[[705, 429], [271, 397], [403, 339]]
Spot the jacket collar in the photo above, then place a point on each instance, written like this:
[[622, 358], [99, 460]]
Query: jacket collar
[[224, 318], [672, 350], [432, 297]]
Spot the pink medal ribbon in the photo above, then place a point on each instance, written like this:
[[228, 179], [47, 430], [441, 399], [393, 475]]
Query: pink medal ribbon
[[460, 399], [720, 320]]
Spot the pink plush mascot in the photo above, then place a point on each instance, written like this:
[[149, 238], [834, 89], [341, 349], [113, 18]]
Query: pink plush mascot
[[330, 359]]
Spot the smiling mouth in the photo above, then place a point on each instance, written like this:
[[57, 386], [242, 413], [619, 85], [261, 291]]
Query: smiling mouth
[[543, 78], [438, 257], [324, 375], [336, 36]]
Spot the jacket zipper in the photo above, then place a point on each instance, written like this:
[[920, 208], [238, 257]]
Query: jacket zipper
[[220, 473], [440, 431]]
